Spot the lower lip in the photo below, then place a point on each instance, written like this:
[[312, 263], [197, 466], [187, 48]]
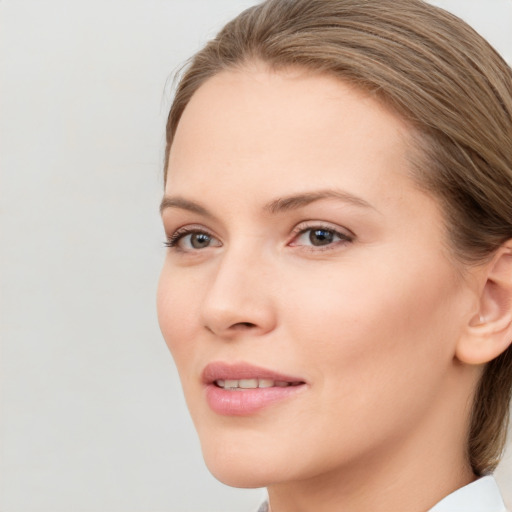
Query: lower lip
[[247, 401]]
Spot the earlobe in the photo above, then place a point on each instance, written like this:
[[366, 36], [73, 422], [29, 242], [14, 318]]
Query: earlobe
[[489, 331]]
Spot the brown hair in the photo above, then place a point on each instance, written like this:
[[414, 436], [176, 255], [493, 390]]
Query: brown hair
[[440, 76]]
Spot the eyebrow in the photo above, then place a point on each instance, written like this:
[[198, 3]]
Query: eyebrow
[[183, 204], [294, 202], [282, 204]]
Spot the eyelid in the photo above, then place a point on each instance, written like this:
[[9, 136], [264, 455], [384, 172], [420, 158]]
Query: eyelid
[[319, 224], [345, 235], [178, 234]]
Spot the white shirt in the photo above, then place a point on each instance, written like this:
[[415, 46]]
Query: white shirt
[[482, 495]]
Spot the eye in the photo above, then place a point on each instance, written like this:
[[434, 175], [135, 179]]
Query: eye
[[320, 236], [191, 240]]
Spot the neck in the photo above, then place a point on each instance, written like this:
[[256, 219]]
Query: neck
[[360, 489]]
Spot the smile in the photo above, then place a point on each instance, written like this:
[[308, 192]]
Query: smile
[[234, 385], [243, 389]]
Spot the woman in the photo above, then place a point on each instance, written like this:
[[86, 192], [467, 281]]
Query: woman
[[337, 293]]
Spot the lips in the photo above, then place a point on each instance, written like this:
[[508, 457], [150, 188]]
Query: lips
[[243, 389], [243, 371], [252, 383]]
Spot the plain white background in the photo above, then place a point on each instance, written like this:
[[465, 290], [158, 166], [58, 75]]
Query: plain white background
[[92, 414]]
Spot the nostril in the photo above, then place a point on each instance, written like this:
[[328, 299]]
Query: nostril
[[233, 328], [243, 325]]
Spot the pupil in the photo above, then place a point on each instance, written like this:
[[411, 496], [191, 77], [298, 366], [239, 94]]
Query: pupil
[[199, 240], [321, 237]]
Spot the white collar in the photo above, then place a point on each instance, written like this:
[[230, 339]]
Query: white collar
[[482, 495]]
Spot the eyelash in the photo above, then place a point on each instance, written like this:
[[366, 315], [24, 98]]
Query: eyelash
[[173, 241], [344, 237]]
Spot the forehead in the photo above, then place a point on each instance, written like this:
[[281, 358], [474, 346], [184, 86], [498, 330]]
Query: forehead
[[285, 106], [286, 131]]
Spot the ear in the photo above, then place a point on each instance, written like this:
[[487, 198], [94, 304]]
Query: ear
[[489, 331]]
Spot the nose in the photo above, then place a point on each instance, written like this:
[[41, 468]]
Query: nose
[[239, 298]]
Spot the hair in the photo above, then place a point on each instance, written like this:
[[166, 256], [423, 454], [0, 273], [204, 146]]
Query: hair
[[446, 81]]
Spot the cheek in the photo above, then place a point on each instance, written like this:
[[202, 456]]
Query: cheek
[[377, 329], [377, 349], [177, 315]]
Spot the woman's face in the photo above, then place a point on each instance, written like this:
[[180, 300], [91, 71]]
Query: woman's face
[[308, 297]]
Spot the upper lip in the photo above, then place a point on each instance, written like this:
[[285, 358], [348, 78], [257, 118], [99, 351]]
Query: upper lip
[[235, 371]]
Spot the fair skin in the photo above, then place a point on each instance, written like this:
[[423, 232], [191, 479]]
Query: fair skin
[[350, 288]]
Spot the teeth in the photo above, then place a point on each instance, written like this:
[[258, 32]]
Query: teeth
[[248, 383], [251, 383], [230, 384], [265, 383]]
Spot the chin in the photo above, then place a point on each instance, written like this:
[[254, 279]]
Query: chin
[[245, 466], [238, 475]]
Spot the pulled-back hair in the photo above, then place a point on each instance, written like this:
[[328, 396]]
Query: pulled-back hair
[[439, 75]]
